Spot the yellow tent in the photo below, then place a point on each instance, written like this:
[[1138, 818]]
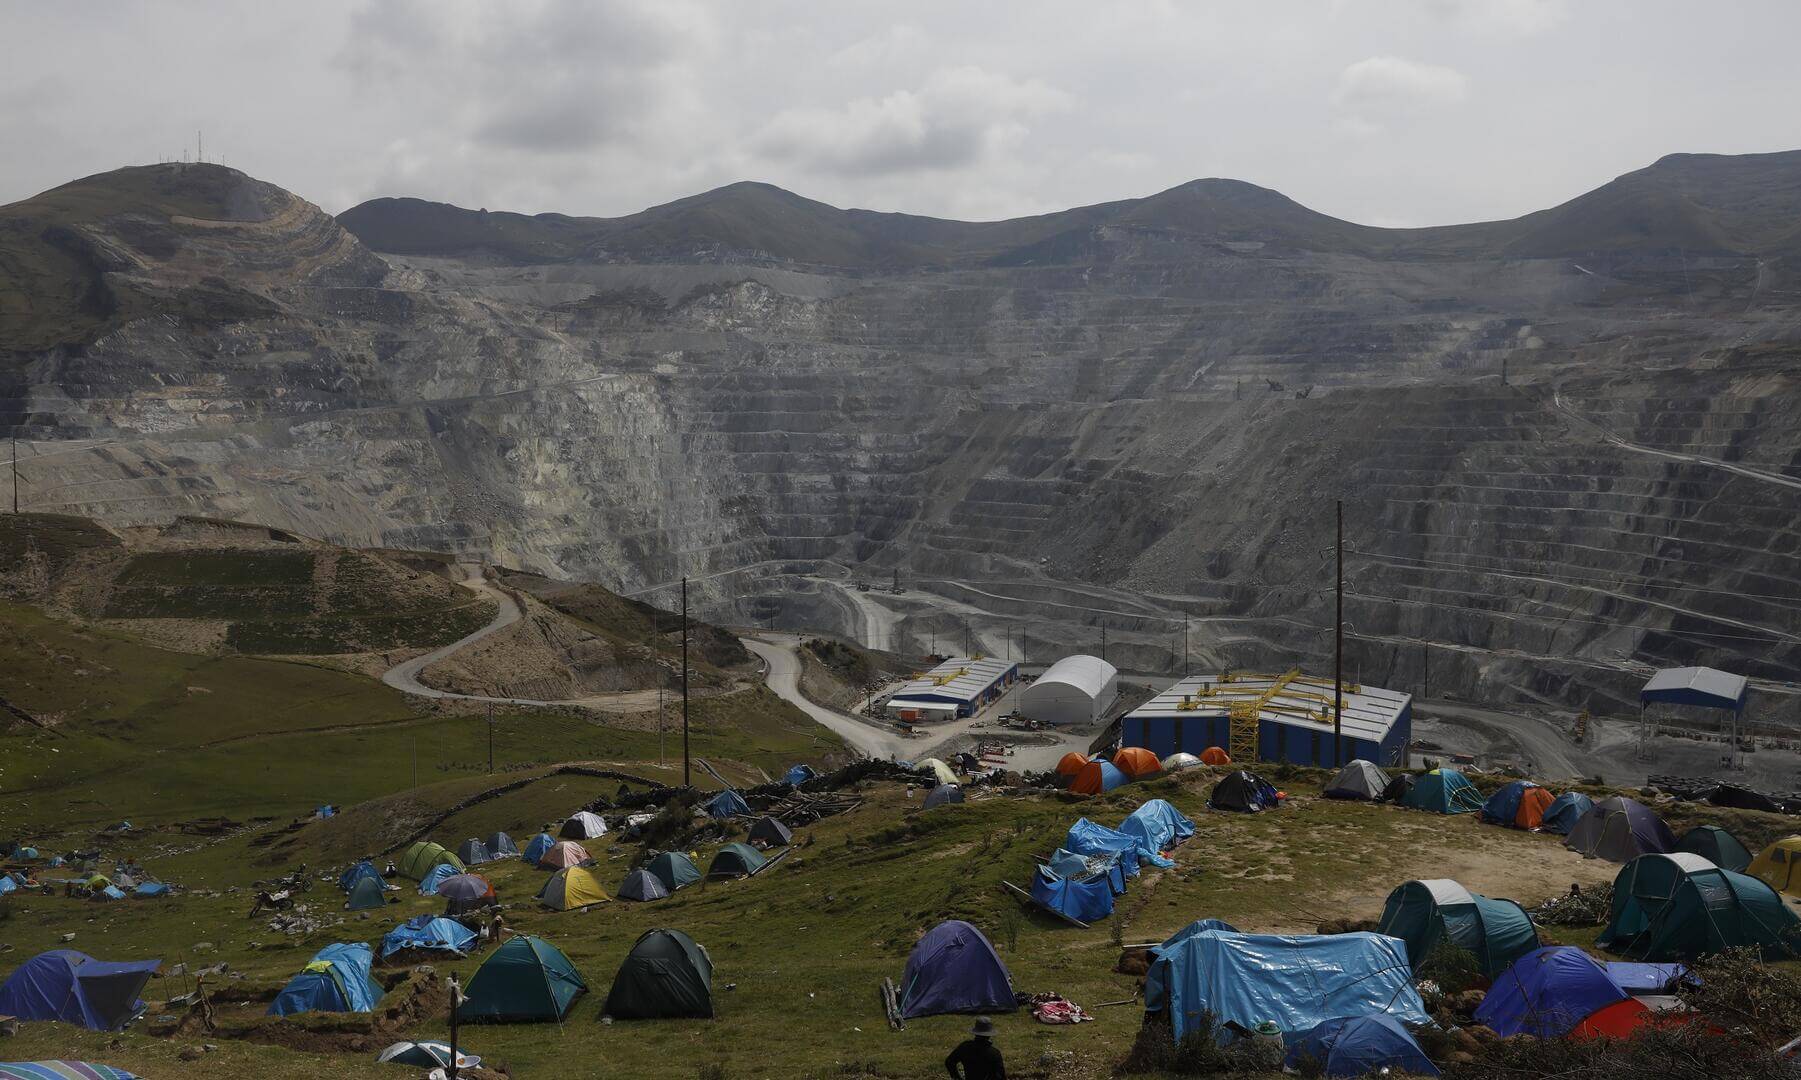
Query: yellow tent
[[573, 887], [1780, 865]]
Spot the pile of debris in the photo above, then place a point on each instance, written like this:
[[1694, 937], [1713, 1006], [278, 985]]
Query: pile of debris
[[802, 808], [1578, 907], [1717, 792]]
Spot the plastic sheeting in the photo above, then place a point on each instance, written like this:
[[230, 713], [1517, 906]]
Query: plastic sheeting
[[1067, 863], [428, 932], [1157, 826], [726, 804], [1088, 901], [799, 774], [1156, 988], [1088, 838]]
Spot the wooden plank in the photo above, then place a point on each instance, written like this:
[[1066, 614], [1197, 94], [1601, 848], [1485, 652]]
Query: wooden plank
[[1041, 906]]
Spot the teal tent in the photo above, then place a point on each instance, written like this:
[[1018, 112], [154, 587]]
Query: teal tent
[[1424, 913], [366, 894], [1717, 846], [1444, 791], [527, 978], [1680, 906], [674, 870], [667, 974], [736, 860]]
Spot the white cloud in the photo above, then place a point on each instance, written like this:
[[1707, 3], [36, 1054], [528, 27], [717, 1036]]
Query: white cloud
[[1505, 18], [1389, 85]]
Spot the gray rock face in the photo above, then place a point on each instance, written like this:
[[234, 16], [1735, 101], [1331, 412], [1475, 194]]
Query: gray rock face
[[1136, 419]]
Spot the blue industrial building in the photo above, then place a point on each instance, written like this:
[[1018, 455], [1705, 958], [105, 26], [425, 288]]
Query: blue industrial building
[[961, 686], [1294, 721]]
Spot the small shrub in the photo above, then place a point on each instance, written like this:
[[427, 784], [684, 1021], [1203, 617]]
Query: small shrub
[[1453, 968], [1010, 921], [714, 1070]]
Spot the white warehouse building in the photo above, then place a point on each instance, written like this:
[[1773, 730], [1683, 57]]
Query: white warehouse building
[[1075, 690]]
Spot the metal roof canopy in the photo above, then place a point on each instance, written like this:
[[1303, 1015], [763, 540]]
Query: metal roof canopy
[[1370, 712], [960, 678], [1704, 686]]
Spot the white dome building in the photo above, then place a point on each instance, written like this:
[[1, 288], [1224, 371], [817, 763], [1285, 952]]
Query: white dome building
[[1075, 690]]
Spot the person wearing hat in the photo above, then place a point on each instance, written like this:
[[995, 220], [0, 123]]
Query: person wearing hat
[[977, 1058]]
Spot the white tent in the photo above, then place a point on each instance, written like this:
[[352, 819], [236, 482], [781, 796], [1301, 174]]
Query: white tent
[[1075, 690], [583, 825]]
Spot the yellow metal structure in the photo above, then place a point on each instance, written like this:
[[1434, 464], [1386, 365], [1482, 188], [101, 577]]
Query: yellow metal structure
[[1242, 737]]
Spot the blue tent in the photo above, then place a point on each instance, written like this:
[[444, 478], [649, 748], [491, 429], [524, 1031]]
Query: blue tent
[[1086, 901], [151, 889], [1565, 810], [1298, 982], [77, 989], [428, 932], [1156, 981], [539, 845], [1360, 1046], [726, 804], [1087, 838], [1547, 992], [54, 1070], [365, 869], [7, 884], [800, 774], [1066, 863], [110, 892], [1443, 791], [1638, 979], [26, 853], [1157, 826], [953, 969], [1504, 805], [335, 980], [436, 876]]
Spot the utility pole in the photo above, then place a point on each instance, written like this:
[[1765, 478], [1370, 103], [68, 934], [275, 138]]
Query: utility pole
[[1186, 669], [455, 998], [490, 736], [415, 761], [15, 464], [1103, 642], [1338, 651], [1426, 662], [660, 715], [687, 780]]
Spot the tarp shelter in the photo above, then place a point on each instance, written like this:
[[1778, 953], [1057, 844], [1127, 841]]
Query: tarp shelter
[[1520, 804], [537, 846], [1090, 838], [1424, 913], [364, 869], [1620, 830], [1397, 789], [642, 885], [1743, 798], [500, 845], [943, 795], [1565, 811], [62, 1070], [75, 988], [1443, 791], [573, 887], [1137, 763], [674, 870], [1245, 792], [466, 892], [473, 852], [436, 876], [564, 854], [1215, 755], [1180, 760], [1708, 688], [666, 975], [336, 979], [426, 1054], [421, 856], [527, 978], [953, 969], [727, 803], [432, 933], [150, 890], [1298, 982], [110, 892], [1156, 981], [772, 832], [1158, 827], [1637, 978], [799, 774], [7, 884], [1358, 780], [1547, 993], [1088, 900], [1717, 846], [938, 770], [1779, 865], [1066, 863], [583, 825], [1351, 1046], [1068, 766], [367, 895], [1680, 906], [1096, 777], [735, 860]]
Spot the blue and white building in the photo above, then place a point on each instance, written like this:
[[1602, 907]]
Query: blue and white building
[[1294, 724], [961, 686]]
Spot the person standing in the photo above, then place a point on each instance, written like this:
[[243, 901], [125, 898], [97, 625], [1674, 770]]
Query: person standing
[[977, 1058]]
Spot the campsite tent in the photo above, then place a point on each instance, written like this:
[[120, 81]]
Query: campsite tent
[[1565, 811], [1358, 780], [1680, 906], [563, 854], [40, 1070], [1137, 763], [336, 979], [1350, 1046], [1549, 992], [1180, 760], [674, 870], [1085, 900], [1397, 789], [799, 774], [1443, 791], [771, 832], [1717, 846], [942, 795], [1214, 755], [466, 892], [367, 895], [1779, 865], [426, 1054], [1298, 982], [500, 845], [953, 969], [1089, 838], [1068, 766], [573, 887], [1156, 982], [666, 975], [75, 988], [364, 869], [473, 852], [527, 978], [1096, 777], [436, 876], [642, 885], [1245, 792], [420, 857], [727, 803], [1620, 830], [537, 846], [1105, 867], [937, 770], [1158, 827], [583, 825], [735, 860], [1519, 803], [430, 933], [1424, 913]]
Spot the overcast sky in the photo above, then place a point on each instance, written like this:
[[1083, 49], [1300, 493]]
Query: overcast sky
[[1388, 113]]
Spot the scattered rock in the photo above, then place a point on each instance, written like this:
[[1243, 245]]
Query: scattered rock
[[189, 1053], [70, 936]]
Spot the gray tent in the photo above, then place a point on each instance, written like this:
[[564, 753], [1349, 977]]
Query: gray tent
[[942, 794], [474, 851], [1358, 780], [1180, 760], [642, 885], [771, 832]]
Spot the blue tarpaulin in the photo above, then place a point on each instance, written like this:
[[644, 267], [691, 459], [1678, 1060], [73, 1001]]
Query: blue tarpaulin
[[77, 989], [436, 876], [335, 980], [1350, 1046], [1157, 826], [1298, 982], [428, 932], [1547, 992], [151, 889], [800, 774], [1155, 981], [1086, 901], [1066, 863], [7, 884], [726, 804], [953, 969], [365, 869], [1088, 838], [1645, 978]]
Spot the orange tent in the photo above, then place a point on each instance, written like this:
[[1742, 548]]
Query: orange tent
[[1071, 764], [1213, 755], [1533, 803], [1137, 762], [1097, 776]]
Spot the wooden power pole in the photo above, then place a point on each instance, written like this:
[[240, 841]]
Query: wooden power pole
[[1338, 650], [687, 780]]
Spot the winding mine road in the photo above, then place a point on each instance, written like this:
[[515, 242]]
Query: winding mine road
[[782, 673], [404, 676]]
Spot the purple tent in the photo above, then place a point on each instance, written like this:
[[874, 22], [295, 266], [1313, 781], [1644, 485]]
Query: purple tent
[[1620, 830], [76, 988], [953, 969], [1547, 992]]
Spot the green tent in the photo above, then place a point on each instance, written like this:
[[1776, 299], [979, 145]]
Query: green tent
[[1717, 846], [527, 978], [736, 860], [1681, 906], [1424, 913], [666, 975], [423, 855], [674, 870], [1444, 791], [367, 893]]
